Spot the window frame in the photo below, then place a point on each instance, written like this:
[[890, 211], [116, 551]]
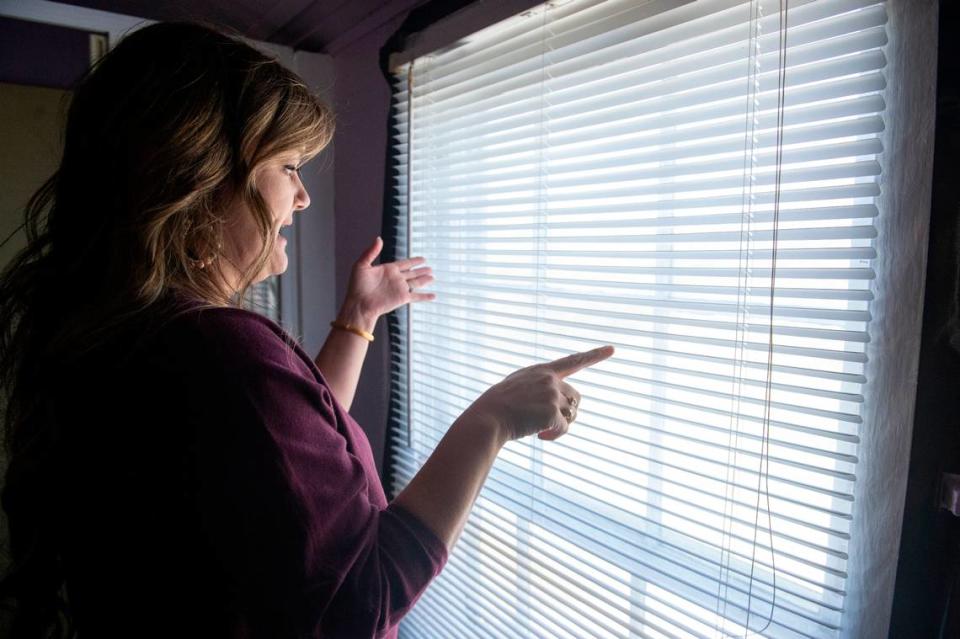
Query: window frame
[[893, 353]]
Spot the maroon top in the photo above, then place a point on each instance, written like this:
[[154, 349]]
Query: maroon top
[[216, 488]]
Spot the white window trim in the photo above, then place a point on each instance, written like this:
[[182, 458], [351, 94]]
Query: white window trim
[[894, 353]]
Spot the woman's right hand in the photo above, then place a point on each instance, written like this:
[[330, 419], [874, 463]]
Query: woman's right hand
[[531, 400], [535, 399]]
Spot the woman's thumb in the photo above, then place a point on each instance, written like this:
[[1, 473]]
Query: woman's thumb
[[368, 256]]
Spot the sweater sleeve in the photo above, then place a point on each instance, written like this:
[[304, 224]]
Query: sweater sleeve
[[283, 502]]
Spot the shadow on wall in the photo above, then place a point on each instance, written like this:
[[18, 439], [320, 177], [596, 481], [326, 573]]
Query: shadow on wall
[[30, 127], [38, 64]]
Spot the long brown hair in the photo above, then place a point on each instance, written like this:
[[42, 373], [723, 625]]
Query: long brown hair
[[160, 135]]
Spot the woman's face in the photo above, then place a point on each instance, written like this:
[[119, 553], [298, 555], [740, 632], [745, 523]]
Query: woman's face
[[278, 181]]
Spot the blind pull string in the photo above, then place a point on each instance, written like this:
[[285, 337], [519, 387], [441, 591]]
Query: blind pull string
[[539, 241], [768, 391], [743, 265], [409, 327]]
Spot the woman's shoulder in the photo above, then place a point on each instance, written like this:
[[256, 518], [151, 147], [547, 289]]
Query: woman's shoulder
[[233, 335]]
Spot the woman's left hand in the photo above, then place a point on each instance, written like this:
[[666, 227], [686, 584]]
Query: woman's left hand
[[377, 289]]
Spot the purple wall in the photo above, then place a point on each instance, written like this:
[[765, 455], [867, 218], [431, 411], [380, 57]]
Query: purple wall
[[42, 55], [362, 99]]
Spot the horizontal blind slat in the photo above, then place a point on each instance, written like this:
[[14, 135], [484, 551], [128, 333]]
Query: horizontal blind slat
[[835, 213], [437, 382], [518, 346], [556, 517], [584, 314], [511, 476], [499, 84]]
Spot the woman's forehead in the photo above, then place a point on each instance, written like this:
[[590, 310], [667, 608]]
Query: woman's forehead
[[292, 153]]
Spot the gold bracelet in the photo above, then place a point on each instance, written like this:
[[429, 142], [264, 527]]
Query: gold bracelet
[[353, 329]]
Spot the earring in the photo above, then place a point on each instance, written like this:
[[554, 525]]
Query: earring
[[202, 264], [210, 259]]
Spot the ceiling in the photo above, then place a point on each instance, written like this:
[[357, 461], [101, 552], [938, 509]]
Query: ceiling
[[314, 25]]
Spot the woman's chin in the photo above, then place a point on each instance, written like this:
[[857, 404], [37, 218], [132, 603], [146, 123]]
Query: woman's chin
[[279, 263]]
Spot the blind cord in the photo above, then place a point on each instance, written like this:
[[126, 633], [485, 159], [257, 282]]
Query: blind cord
[[768, 391], [743, 265], [409, 327]]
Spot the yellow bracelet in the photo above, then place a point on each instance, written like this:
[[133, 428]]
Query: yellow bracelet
[[353, 329]]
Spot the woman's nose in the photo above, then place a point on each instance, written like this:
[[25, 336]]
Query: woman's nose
[[303, 198]]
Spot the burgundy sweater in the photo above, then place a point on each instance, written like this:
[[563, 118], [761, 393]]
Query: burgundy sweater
[[216, 488]]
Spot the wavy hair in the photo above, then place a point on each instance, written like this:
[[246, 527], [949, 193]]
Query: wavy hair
[[163, 132]]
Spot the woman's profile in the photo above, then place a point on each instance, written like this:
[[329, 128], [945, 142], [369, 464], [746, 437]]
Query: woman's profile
[[178, 466]]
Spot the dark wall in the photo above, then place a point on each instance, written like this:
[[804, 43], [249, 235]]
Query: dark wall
[[42, 55], [926, 598], [362, 101]]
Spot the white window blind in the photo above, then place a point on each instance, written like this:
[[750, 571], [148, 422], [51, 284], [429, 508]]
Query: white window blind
[[697, 184], [263, 298]]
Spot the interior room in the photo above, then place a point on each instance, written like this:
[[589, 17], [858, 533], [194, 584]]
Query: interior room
[[754, 202]]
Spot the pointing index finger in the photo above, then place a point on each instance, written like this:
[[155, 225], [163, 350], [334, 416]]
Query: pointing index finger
[[572, 363]]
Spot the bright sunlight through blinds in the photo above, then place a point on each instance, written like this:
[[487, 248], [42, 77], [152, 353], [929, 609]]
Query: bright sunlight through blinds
[[646, 174]]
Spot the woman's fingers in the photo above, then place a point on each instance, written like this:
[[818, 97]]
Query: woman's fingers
[[409, 263], [571, 395], [418, 277], [571, 398], [418, 272], [536, 399], [570, 364], [569, 404], [557, 430], [419, 282], [553, 433]]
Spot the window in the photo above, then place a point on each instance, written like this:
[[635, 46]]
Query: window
[[699, 184], [263, 298]]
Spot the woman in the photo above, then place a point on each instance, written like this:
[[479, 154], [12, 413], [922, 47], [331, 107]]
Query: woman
[[179, 466]]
